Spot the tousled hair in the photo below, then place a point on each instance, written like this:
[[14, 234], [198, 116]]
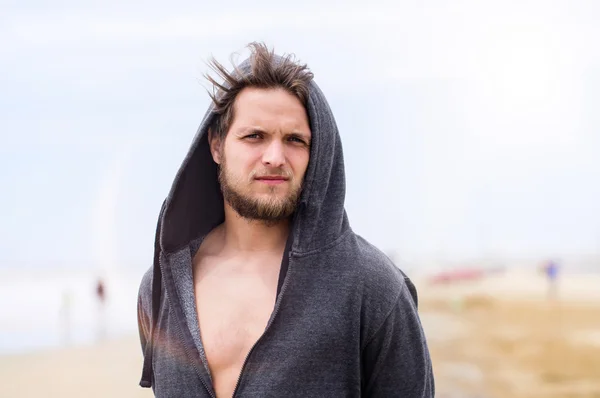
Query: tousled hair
[[267, 70]]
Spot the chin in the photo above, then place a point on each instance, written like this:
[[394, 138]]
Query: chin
[[271, 197], [272, 191]]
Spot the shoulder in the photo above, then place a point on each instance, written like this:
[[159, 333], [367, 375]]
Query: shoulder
[[145, 291], [384, 287], [375, 269]]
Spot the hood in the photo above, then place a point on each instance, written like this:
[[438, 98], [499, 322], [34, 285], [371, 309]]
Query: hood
[[194, 205]]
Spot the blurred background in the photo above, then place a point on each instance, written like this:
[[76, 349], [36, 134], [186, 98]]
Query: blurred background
[[471, 135]]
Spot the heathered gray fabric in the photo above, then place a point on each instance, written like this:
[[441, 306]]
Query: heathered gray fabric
[[345, 323], [184, 283]]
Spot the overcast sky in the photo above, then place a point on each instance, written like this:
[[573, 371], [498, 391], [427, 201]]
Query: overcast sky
[[469, 128]]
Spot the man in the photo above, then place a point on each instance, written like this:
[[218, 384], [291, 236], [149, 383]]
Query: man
[[101, 295], [259, 286]]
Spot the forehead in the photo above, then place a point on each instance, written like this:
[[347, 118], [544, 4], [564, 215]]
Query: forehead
[[273, 109]]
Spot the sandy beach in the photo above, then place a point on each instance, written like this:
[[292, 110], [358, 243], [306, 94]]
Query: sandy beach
[[490, 348], [501, 337], [495, 338], [109, 369]]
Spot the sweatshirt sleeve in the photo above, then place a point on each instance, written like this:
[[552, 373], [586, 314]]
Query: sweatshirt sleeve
[[396, 361], [143, 318], [142, 324]]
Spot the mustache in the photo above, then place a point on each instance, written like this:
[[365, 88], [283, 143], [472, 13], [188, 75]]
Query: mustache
[[271, 173]]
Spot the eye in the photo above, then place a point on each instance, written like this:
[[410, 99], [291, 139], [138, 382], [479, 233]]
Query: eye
[[252, 136], [297, 139]]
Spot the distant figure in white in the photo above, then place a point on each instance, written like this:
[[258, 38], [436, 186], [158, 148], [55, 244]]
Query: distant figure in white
[[65, 317], [101, 296]]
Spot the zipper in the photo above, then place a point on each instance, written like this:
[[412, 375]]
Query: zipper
[[180, 334], [201, 352], [208, 388], [275, 311]]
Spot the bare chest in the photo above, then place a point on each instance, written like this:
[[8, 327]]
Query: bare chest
[[233, 311]]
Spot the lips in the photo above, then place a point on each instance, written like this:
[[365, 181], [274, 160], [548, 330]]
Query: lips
[[272, 179]]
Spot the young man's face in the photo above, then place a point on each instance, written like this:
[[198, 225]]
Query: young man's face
[[265, 154]]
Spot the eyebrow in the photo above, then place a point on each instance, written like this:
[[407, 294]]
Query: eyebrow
[[252, 129], [255, 129]]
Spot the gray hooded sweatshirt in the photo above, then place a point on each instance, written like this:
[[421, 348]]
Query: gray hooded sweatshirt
[[345, 321]]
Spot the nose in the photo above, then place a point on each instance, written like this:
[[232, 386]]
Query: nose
[[274, 155]]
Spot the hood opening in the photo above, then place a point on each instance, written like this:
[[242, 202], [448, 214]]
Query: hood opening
[[194, 205]]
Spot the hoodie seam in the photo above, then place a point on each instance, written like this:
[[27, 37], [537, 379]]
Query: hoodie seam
[[323, 248], [380, 327]]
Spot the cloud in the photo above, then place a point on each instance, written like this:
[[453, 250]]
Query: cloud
[[67, 28]]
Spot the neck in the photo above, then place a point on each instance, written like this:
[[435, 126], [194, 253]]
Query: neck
[[244, 235]]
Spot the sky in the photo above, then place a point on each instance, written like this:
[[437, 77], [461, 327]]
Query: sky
[[470, 129]]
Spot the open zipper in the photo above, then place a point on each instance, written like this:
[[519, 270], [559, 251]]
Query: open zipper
[[275, 311], [210, 388]]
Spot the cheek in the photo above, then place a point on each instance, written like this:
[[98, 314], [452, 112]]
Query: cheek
[[299, 162], [241, 160], [237, 156]]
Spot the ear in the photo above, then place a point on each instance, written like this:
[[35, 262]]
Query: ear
[[215, 146]]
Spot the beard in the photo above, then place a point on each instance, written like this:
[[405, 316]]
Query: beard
[[268, 210]]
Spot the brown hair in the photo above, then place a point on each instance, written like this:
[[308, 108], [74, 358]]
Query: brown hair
[[267, 70]]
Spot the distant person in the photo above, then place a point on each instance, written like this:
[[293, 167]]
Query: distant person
[[259, 287], [101, 296], [551, 270], [100, 292]]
